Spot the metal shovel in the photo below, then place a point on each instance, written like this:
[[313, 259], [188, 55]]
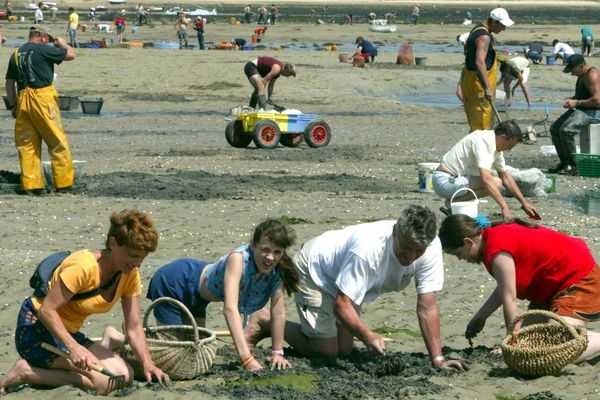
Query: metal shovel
[[115, 382]]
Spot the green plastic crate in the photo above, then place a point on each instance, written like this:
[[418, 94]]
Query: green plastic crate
[[588, 165]]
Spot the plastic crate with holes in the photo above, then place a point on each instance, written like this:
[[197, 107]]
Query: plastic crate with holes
[[268, 129], [588, 164]]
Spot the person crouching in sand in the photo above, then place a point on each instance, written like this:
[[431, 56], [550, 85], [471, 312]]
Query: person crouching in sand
[[552, 270], [57, 318]]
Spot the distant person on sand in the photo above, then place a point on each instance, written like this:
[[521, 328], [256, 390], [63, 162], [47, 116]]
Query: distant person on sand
[[58, 317], [341, 270], [120, 27], [72, 27], [38, 118], [534, 52], [587, 40], [273, 14], [478, 77], [247, 13], [552, 270], [245, 280], [415, 15], [262, 73], [471, 162], [239, 42], [562, 50], [38, 15], [364, 49], [181, 25], [517, 69], [199, 28], [262, 15], [582, 109]]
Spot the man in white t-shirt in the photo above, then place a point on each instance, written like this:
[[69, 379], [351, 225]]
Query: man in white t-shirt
[[516, 68], [341, 270], [470, 162], [38, 15], [562, 50]]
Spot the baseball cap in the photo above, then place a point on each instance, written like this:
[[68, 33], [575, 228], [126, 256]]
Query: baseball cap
[[40, 30], [573, 61], [501, 15]]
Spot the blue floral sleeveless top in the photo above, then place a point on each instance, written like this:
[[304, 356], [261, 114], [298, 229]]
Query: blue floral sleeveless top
[[255, 290]]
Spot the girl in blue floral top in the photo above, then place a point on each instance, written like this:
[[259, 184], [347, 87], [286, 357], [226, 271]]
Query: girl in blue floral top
[[245, 280]]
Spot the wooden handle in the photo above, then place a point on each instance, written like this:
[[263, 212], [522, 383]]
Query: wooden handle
[[65, 355]]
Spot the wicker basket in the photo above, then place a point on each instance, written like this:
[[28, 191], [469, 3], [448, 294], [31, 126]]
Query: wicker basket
[[543, 349], [181, 351]]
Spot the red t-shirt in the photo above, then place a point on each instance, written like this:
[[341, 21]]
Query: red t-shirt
[[546, 261], [266, 63]]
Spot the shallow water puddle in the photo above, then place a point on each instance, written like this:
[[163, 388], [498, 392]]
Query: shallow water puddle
[[590, 204], [302, 382]]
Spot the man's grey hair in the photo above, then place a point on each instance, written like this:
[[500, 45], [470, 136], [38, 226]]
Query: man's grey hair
[[417, 223]]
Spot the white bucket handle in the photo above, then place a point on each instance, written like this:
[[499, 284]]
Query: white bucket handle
[[463, 188]]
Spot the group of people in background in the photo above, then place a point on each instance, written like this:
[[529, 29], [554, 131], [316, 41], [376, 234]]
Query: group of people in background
[[477, 86]]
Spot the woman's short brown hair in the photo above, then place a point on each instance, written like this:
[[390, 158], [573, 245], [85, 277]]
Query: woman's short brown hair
[[133, 229]]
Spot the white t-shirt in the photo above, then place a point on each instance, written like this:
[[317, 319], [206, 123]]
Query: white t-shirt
[[38, 15], [474, 151], [360, 262], [462, 39], [563, 49], [518, 63]]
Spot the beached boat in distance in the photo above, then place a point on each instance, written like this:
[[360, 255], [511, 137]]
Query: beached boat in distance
[[117, 1], [47, 6], [382, 28], [198, 12]]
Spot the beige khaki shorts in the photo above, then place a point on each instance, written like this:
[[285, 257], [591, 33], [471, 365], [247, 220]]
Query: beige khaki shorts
[[315, 307]]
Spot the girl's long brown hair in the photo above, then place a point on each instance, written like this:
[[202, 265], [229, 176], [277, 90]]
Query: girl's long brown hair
[[283, 236]]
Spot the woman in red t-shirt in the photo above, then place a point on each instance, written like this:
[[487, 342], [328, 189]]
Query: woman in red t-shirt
[[552, 270]]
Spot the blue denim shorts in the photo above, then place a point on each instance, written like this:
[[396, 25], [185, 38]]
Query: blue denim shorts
[[445, 185], [31, 333]]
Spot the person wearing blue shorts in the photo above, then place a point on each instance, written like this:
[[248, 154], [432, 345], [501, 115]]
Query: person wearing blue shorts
[[244, 280]]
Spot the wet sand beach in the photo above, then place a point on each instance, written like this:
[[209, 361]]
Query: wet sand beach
[[158, 145]]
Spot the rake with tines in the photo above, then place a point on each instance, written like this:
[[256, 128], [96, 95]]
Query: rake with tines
[[115, 382]]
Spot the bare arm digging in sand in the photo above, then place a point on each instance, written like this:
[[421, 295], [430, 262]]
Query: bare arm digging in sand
[[342, 269], [552, 270]]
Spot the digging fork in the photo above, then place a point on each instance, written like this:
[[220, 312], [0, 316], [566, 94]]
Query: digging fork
[[115, 382]]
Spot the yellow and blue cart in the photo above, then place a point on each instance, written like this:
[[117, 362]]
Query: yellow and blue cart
[[267, 130]]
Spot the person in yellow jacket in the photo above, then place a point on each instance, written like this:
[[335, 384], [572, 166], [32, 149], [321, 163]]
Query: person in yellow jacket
[[31, 72], [478, 77]]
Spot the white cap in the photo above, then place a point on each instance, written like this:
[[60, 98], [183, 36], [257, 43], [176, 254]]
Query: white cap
[[501, 15]]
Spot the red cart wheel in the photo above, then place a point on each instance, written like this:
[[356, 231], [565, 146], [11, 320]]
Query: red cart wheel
[[317, 133], [291, 139], [235, 135], [266, 134]]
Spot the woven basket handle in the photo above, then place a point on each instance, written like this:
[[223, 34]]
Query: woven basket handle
[[547, 314], [177, 303]]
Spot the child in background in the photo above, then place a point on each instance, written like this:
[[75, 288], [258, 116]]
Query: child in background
[[244, 280]]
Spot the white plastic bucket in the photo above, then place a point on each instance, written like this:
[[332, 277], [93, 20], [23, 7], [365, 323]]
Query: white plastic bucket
[[464, 207], [426, 171], [47, 167]]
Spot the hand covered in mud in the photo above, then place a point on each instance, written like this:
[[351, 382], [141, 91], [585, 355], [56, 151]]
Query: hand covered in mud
[[278, 362], [253, 366], [152, 370], [451, 365], [375, 344], [474, 327]]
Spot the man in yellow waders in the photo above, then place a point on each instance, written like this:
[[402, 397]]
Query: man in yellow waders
[[31, 68], [478, 77]]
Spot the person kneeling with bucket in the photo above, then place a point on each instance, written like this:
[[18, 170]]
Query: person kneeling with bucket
[[470, 162]]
